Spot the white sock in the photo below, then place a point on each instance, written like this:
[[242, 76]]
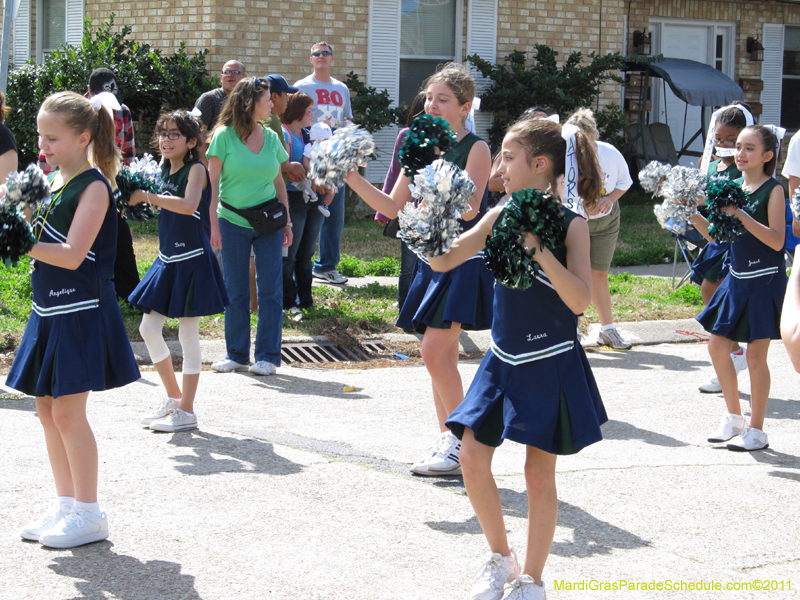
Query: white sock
[[66, 502], [606, 327], [90, 507]]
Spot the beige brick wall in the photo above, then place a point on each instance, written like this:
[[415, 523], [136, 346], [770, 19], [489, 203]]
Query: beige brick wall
[[268, 37], [749, 17]]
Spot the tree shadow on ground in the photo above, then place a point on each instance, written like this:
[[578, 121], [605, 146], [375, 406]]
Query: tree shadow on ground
[[300, 386], [212, 454], [591, 535], [619, 430], [24, 403], [637, 360], [103, 573]]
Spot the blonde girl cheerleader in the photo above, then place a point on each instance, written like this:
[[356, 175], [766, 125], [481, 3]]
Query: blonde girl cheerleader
[[75, 340], [184, 281], [441, 305]]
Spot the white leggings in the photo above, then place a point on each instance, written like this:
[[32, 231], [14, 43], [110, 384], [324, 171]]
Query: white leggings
[[188, 334]]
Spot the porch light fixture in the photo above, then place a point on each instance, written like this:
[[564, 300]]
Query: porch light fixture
[[641, 41], [755, 49]]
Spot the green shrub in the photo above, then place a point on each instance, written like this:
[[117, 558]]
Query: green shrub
[[148, 80], [349, 266]]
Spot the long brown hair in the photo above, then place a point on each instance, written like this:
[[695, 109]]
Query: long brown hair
[[78, 115], [239, 107], [543, 138], [4, 110]]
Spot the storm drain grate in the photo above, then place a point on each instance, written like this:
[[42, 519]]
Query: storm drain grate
[[310, 352]]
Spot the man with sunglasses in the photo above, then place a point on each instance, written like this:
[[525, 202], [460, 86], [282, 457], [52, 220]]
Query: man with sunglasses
[[332, 106], [210, 103]]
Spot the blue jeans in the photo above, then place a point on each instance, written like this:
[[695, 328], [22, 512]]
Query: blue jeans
[[331, 234], [236, 244], [306, 222], [407, 260]]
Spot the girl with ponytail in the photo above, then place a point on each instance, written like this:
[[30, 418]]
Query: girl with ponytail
[[534, 386], [75, 340]]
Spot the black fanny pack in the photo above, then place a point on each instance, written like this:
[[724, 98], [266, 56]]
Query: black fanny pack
[[268, 217]]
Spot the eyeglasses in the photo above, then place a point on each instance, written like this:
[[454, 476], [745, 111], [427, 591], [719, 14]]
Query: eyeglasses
[[227, 72], [322, 53], [725, 144], [170, 135]]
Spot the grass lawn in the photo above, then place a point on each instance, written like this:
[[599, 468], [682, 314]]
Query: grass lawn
[[372, 309]]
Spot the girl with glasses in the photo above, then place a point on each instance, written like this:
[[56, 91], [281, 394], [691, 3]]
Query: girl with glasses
[[184, 282]]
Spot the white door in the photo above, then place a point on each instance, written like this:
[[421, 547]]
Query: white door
[[690, 42]]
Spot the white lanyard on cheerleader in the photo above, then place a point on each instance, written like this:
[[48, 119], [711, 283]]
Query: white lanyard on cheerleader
[[571, 199], [709, 149]]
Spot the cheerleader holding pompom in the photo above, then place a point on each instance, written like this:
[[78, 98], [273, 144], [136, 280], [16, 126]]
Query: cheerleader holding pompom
[[184, 281], [75, 340], [534, 386], [747, 305], [441, 305]]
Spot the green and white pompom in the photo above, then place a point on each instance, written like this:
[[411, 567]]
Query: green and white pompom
[[428, 138], [533, 211], [723, 192], [16, 234], [143, 174]]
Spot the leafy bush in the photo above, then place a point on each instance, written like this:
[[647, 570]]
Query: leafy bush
[[574, 85], [371, 108], [148, 80]]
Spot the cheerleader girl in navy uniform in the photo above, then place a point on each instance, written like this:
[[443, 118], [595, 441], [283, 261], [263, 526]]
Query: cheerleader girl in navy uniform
[[711, 265], [534, 386], [184, 281], [75, 340], [747, 305], [441, 305]]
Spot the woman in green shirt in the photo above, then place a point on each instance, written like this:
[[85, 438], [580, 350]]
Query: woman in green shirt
[[244, 160]]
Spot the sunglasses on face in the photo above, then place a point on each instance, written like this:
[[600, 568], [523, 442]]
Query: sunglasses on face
[[322, 53], [227, 72], [170, 135]]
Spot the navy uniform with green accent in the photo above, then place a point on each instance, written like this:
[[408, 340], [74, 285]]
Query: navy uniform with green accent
[[463, 295], [747, 305], [712, 263], [185, 279], [535, 385], [75, 340]]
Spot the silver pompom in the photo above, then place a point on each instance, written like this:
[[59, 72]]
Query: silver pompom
[[795, 204], [651, 177], [685, 186], [444, 191], [27, 188], [334, 158], [682, 188]]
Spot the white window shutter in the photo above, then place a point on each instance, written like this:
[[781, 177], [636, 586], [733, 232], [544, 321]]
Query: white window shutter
[[383, 73], [772, 74], [482, 40], [74, 22], [22, 34]]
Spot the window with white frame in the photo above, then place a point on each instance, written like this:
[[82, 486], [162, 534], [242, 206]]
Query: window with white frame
[[51, 26], [790, 111], [428, 37]]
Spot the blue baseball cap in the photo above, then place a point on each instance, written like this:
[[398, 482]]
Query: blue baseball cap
[[278, 84]]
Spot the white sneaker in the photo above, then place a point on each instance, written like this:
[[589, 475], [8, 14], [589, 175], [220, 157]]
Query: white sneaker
[[750, 439], [610, 338], [263, 368], [525, 588], [33, 530], [489, 582], [324, 210], [77, 528], [712, 387], [227, 365], [331, 276], [740, 360], [176, 420], [729, 427], [445, 461], [162, 411]]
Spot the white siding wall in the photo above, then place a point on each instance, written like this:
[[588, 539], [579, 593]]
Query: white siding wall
[[22, 34], [772, 74], [74, 22], [482, 40]]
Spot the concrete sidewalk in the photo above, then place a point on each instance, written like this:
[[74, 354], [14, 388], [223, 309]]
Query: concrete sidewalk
[[294, 488]]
